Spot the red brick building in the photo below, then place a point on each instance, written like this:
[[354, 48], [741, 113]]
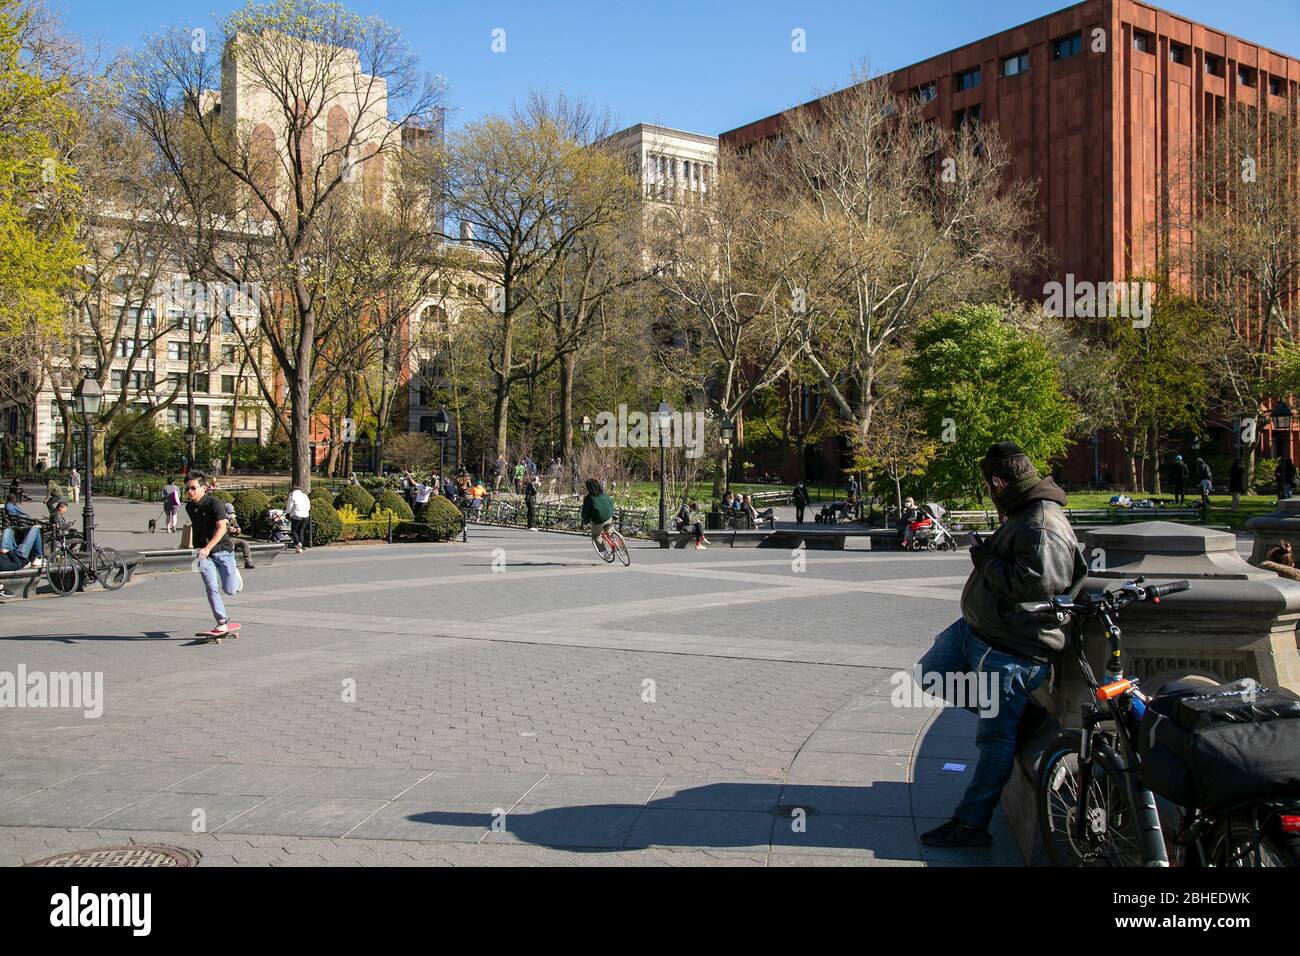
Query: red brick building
[[1096, 101]]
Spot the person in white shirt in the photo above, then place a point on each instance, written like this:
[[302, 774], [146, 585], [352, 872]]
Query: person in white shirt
[[298, 510], [423, 493]]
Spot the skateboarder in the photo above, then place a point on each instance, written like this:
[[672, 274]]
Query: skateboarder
[[216, 559]]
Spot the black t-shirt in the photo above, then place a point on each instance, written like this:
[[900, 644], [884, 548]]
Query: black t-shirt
[[204, 515]]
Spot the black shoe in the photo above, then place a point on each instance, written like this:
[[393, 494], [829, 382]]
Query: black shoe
[[954, 833], [249, 566]]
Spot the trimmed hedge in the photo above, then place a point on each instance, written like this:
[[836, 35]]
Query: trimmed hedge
[[390, 500], [442, 519], [355, 497], [250, 506], [326, 526]]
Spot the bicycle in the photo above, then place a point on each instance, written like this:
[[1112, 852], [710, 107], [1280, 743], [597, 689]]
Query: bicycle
[[1094, 809], [615, 547], [68, 567]]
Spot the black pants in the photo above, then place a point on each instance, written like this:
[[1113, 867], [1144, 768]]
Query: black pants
[[798, 513], [298, 527], [532, 513], [1179, 496], [696, 529]]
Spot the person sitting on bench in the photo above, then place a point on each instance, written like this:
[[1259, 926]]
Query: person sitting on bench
[[15, 556], [755, 516], [232, 528], [689, 521]]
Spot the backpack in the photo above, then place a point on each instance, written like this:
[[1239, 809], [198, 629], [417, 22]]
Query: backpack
[[1223, 748]]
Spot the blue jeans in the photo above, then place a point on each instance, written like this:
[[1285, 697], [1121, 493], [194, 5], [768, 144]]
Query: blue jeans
[[219, 574], [32, 543], [1011, 680]]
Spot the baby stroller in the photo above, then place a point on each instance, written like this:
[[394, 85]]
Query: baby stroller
[[281, 530], [929, 533]]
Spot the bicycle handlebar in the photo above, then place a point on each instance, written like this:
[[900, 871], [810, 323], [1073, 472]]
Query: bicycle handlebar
[[1125, 594]]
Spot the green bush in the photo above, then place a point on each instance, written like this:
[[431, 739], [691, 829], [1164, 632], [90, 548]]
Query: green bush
[[250, 508], [227, 496], [326, 526], [442, 522], [355, 497], [390, 500]]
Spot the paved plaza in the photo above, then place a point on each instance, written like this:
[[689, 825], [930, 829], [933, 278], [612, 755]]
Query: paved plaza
[[512, 700]]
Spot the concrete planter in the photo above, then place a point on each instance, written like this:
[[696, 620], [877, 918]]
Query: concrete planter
[[1271, 529], [1236, 621]]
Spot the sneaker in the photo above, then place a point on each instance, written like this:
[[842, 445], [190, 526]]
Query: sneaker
[[698, 546], [221, 628], [36, 563], [298, 548], [5, 592], [954, 833]]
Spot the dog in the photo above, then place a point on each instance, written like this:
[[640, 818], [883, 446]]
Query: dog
[[153, 525]]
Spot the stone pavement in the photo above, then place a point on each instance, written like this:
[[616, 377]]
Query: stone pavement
[[410, 704]]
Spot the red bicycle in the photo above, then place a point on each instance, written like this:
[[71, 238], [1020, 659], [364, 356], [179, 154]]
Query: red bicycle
[[615, 547]]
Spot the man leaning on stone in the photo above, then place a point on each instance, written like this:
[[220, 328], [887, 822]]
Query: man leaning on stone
[[1033, 556]]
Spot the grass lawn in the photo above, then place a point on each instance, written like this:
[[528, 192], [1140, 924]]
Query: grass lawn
[[1221, 512]]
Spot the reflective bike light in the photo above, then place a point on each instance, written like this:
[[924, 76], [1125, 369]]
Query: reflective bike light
[[1291, 824], [1113, 690]]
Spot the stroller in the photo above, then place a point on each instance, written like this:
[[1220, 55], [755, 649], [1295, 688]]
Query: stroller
[[929, 533], [281, 530]]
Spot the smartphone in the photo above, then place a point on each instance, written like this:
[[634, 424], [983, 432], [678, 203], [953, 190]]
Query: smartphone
[[974, 539]]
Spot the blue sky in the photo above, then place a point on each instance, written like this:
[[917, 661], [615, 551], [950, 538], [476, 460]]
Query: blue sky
[[706, 66]]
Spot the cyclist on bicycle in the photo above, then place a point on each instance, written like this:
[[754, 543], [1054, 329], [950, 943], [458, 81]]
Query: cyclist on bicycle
[[598, 511], [1033, 556]]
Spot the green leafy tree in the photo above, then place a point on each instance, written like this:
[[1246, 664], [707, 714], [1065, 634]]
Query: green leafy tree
[[976, 379]]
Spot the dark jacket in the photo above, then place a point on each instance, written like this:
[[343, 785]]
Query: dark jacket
[[1178, 472], [1236, 479], [801, 495], [597, 509], [1033, 556]]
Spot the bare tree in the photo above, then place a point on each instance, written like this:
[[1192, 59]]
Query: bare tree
[[328, 94]]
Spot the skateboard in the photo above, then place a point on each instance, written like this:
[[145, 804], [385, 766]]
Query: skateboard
[[232, 630]]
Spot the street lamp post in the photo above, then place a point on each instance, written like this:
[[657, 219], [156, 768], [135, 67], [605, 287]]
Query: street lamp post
[[441, 424], [29, 451], [89, 397], [586, 430], [1096, 465], [665, 414], [1281, 416], [191, 436], [728, 433]]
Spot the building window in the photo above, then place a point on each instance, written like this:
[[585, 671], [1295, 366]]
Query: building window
[[201, 382], [178, 351], [970, 114], [1275, 85], [927, 92], [1066, 47], [1177, 53], [1015, 65], [229, 355], [227, 323], [1143, 42], [128, 347], [1213, 64], [87, 346], [967, 79], [118, 379], [1245, 76], [227, 385], [227, 418]]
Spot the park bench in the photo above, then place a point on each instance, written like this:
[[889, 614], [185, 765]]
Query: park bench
[[814, 539], [30, 577], [163, 559], [1083, 518]]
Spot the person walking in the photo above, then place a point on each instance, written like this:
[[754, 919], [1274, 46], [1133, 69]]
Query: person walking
[[1033, 556], [1178, 478], [171, 503], [298, 511], [216, 559], [530, 501], [74, 484], [519, 477], [1204, 479], [800, 501], [1237, 483]]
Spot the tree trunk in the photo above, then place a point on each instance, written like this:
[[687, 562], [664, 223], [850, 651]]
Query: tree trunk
[[568, 365], [300, 436]]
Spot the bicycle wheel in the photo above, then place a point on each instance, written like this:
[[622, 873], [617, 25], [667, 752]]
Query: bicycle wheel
[[606, 553], [1236, 843], [63, 573], [620, 549], [110, 568], [1110, 836]]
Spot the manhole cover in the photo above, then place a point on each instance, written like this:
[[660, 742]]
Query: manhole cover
[[787, 812], [123, 856]]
